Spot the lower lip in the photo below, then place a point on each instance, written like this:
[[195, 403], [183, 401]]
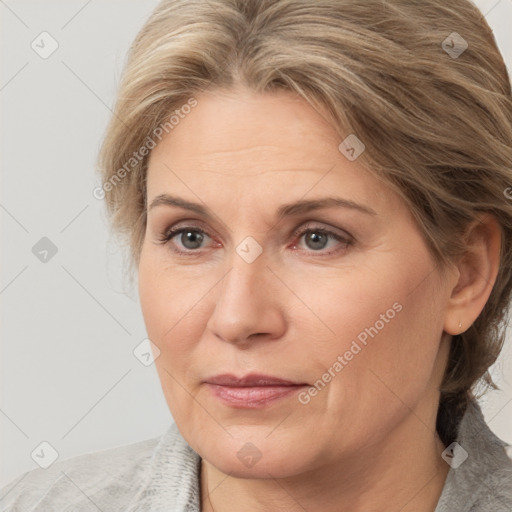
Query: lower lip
[[252, 397]]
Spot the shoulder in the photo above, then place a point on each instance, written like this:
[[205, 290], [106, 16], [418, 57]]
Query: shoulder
[[490, 471], [495, 492], [104, 479], [482, 478]]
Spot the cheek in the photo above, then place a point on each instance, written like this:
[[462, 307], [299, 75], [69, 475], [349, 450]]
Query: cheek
[[167, 315], [168, 297], [152, 298], [349, 306], [175, 305], [385, 325]]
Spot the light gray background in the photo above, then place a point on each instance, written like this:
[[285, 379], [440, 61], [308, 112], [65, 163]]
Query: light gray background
[[69, 325]]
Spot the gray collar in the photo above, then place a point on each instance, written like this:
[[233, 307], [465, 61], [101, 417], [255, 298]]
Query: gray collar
[[483, 481]]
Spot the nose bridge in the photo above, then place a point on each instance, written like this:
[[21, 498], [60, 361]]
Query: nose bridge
[[248, 263], [245, 281], [245, 303]]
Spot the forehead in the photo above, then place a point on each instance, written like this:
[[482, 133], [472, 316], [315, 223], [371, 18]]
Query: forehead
[[258, 146], [238, 124]]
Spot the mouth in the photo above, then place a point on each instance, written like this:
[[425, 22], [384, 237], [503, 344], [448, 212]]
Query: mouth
[[253, 391]]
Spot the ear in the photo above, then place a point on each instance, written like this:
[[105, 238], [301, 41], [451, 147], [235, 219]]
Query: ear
[[477, 270]]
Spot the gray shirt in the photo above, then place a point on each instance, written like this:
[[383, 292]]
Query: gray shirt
[[162, 475]]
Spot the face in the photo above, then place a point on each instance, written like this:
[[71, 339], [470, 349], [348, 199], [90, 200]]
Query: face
[[333, 312]]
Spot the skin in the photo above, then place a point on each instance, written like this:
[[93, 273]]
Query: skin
[[368, 438]]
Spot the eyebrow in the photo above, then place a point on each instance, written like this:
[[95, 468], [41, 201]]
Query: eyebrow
[[290, 209]]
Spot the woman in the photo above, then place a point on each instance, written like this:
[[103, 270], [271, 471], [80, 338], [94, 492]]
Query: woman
[[315, 199]]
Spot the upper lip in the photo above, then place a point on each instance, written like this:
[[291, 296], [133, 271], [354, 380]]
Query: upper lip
[[253, 379]]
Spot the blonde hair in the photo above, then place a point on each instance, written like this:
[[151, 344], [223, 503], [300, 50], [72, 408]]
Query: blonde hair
[[437, 126]]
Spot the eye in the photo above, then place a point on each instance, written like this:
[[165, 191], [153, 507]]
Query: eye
[[190, 238], [317, 238]]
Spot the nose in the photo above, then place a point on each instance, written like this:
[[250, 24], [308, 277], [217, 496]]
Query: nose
[[248, 304]]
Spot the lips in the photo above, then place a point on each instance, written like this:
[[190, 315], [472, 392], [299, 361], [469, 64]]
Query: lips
[[252, 391], [251, 380]]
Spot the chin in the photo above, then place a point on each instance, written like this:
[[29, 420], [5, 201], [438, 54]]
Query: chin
[[258, 456], [276, 465]]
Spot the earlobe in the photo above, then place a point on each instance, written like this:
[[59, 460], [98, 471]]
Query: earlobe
[[477, 269]]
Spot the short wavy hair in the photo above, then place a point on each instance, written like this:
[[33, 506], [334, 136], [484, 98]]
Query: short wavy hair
[[436, 120]]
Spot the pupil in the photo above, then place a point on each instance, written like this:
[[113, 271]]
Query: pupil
[[193, 237], [315, 238]]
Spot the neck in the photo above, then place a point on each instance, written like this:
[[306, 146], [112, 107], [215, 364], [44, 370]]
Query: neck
[[404, 471]]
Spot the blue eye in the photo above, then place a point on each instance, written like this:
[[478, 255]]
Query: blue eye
[[316, 239], [189, 238]]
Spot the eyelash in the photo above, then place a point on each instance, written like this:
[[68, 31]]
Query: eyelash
[[168, 235]]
